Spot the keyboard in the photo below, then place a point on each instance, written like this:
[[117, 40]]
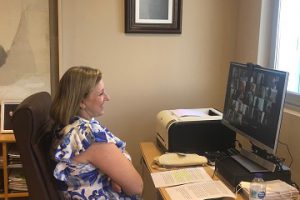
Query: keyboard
[[212, 156], [232, 151]]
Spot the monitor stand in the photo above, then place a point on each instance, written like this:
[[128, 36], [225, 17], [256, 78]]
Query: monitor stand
[[253, 162], [233, 172], [248, 164]]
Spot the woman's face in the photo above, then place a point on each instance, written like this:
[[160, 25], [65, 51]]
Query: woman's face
[[93, 104]]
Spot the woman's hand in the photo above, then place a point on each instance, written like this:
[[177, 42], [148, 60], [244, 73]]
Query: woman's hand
[[116, 187], [115, 165]]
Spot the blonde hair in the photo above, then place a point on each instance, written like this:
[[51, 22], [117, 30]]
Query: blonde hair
[[74, 86]]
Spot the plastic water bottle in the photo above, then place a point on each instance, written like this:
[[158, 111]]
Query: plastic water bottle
[[257, 188]]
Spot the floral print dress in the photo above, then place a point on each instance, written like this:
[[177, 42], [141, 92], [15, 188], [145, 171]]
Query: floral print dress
[[84, 181]]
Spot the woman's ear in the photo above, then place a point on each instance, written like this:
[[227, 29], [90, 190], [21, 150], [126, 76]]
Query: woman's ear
[[82, 105]]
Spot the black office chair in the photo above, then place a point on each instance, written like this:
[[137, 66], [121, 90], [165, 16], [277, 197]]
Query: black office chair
[[32, 127]]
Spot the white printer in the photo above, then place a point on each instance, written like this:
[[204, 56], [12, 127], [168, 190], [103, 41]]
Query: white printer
[[192, 131]]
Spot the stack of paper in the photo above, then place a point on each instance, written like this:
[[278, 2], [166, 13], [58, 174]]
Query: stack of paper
[[276, 189], [14, 159], [16, 180], [190, 184], [189, 113]]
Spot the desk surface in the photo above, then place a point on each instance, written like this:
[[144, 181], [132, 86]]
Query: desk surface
[[150, 151]]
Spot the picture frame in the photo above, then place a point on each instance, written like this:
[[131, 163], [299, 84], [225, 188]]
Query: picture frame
[[54, 44], [7, 110], [29, 48], [147, 16]]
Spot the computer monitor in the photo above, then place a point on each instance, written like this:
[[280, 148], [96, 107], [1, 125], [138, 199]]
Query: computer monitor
[[254, 104]]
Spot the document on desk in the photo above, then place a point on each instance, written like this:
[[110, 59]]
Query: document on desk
[[190, 184], [189, 113], [180, 176], [200, 190]]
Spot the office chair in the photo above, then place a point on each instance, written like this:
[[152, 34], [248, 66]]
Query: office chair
[[32, 127]]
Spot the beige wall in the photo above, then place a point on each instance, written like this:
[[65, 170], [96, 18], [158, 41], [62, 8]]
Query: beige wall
[[247, 31], [146, 73]]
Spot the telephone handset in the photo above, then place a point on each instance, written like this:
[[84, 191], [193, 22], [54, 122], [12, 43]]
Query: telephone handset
[[180, 160]]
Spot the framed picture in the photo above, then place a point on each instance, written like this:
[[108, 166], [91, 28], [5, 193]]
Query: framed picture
[[7, 111], [153, 16], [28, 47]]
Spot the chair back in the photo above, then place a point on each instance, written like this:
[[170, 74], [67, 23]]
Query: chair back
[[32, 127]]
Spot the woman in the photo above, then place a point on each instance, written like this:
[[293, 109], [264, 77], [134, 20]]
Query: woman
[[90, 159]]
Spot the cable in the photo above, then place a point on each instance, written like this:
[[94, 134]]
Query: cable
[[288, 149], [238, 188], [214, 173]]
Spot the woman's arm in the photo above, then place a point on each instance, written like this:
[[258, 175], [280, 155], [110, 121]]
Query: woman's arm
[[110, 160]]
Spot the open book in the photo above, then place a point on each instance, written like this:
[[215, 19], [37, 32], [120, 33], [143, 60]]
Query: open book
[[191, 184]]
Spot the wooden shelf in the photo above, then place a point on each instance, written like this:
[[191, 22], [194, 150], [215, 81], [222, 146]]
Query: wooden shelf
[[18, 194], [5, 139]]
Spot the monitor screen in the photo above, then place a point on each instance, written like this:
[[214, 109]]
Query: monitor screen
[[254, 103]]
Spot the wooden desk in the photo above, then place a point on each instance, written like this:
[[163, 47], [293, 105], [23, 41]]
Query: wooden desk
[[150, 151]]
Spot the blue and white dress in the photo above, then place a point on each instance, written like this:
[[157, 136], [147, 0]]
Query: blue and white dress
[[84, 181]]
